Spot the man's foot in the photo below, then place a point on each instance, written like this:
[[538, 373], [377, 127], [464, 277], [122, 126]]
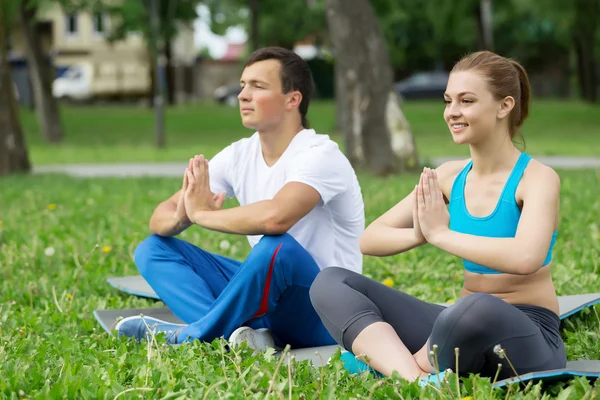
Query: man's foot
[[258, 339], [140, 328]]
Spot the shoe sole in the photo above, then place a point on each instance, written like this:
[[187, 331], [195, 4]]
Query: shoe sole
[[257, 340]]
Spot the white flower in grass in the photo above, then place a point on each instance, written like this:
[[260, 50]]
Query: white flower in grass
[[49, 251], [499, 351], [224, 245]]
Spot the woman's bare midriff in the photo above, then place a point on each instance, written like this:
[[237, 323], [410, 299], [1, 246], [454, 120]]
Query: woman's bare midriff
[[536, 289]]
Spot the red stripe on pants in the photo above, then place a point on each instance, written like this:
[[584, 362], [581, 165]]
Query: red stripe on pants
[[264, 304]]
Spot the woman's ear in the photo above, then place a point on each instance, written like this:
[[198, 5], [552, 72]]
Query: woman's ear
[[506, 106]]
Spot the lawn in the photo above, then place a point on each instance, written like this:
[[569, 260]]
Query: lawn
[[126, 133], [61, 237]]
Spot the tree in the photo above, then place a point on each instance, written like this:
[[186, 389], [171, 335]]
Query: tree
[[159, 21], [46, 106], [269, 23], [585, 30], [136, 16], [376, 132], [486, 24], [574, 24], [13, 151], [254, 6]]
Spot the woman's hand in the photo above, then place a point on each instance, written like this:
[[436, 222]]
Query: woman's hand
[[433, 216], [415, 214]]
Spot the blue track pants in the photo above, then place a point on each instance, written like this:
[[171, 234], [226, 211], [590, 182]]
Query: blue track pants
[[215, 295]]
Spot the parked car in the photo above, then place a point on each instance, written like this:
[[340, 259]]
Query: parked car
[[227, 94], [423, 85], [87, 81]]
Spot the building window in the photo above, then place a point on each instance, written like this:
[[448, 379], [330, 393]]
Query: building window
[[71, 24], [99, 23]]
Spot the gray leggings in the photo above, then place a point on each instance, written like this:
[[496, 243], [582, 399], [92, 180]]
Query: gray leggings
[[348, 302]]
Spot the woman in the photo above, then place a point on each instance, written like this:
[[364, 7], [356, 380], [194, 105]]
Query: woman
[[502, 221]]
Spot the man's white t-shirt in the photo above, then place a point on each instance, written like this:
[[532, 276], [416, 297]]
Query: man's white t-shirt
[[331, 231]]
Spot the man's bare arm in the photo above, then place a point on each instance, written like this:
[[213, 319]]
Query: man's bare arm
[[168, 218], [268, 217]]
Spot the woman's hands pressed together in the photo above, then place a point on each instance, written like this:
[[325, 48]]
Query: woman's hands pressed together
[[430, 214]]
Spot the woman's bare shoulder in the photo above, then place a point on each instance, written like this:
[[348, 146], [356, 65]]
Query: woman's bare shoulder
[[447, 172], [538, 175]]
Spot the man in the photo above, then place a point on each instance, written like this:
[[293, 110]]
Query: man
[[300, 206]]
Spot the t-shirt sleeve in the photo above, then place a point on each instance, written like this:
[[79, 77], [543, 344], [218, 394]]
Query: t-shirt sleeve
[[219, 169], [326, 172]]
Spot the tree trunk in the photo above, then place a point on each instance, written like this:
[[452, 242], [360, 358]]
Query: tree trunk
[[46, 106], [487, 24], [585, 70], [376, 132], [13, 151], [254, 6], [586, 15], [170, 73]]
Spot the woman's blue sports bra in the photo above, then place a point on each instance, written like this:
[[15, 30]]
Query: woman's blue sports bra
[[502, 222]]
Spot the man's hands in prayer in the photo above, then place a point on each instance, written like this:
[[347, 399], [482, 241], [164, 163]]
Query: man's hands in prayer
[[196, 195], [180, 214]]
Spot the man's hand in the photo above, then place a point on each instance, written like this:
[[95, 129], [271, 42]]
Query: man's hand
[[198, 197], [432, 213], [180, 214]]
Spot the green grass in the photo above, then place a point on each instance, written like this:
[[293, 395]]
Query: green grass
[[126, 133], [52, 347]]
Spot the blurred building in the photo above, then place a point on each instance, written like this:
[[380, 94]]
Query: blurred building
[[78, 42]]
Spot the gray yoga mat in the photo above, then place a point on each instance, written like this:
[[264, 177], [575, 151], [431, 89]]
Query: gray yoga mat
[[135, 285], [588, 368]]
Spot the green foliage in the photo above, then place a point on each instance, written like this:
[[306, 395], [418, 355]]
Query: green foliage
[[423, 34], [280, 24], [134, 16], [52, 347], [9, 12]]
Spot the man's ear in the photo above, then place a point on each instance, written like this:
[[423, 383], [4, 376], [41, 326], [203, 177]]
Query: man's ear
[[294, 99], [506, 106]]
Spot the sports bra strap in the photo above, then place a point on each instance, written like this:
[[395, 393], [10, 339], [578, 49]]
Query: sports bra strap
[[515, 177], [458, 186]]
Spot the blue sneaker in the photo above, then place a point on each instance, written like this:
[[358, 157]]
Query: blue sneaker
[[355, 366], [140, 328], [433, 379]]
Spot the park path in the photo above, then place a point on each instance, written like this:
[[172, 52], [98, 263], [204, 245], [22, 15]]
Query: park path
[[176, 169]]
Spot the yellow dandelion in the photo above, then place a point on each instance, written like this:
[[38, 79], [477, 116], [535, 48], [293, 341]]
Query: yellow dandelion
[[106, 249], [467, 398], [69, 295], [388, 282], [451, 301], [439, 289], [51, 206]]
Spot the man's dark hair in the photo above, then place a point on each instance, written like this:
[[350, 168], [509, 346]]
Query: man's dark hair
[[295, 74]]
